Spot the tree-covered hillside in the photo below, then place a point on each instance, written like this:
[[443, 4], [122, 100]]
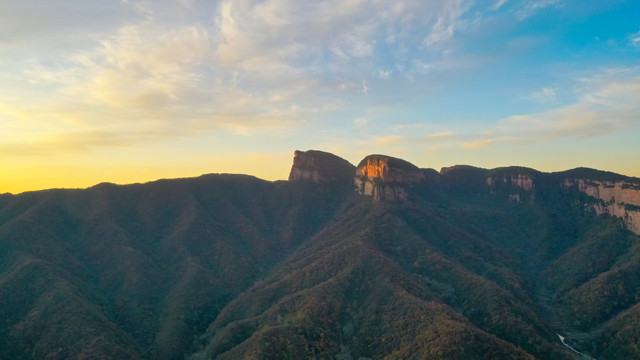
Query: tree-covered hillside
[[475, 264]]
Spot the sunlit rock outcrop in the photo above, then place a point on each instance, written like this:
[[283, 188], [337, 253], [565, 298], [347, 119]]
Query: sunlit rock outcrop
[[619, 198], [608, 191], [319, 166], [386, 178]]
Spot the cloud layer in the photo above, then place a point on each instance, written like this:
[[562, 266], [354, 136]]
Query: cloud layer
[[416, 76], [243, 65]]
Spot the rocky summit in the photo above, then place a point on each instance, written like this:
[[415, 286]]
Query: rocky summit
[[319, 166], [378, 261], [386, 178]]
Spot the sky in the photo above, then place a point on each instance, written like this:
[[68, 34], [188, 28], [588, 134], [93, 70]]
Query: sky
[[136, 90]]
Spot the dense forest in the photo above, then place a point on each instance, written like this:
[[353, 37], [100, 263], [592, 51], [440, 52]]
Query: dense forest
[[235, 267]]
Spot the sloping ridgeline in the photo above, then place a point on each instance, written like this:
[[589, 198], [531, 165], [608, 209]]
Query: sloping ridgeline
[[382, 261]]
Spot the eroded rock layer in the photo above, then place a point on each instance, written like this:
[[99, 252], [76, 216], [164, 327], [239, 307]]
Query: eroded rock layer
[[319, 166], [618, 198], [386, 178]]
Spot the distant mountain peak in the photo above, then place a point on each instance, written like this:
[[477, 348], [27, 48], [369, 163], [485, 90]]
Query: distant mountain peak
[[386, 178], [319, 166]]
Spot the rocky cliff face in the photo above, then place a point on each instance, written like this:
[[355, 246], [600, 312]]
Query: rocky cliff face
[[520, 183], [319, 166], [523, 181], [386, 178], [613, 194], [614, 197]]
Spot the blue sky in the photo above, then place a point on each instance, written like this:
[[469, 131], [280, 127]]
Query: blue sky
[[129, 91]]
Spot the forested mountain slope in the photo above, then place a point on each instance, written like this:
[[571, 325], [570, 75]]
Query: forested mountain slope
[[410, 263]]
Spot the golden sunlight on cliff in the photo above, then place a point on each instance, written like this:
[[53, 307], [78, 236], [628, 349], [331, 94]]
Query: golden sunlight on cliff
[[374, 168]]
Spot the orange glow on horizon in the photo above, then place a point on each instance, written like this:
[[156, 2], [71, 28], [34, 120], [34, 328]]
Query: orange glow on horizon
[[22, 178]]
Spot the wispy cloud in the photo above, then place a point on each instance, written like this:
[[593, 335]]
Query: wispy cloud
[[384, 74], [471, 145], [153, 70], [544, 95], [165, 67], [498, 4], [531, 7], [446, 24], [609, 103], [432, 142], [634, 39], [441, 135], [44, 144], [360, 122], [388, 140], [365, 88]]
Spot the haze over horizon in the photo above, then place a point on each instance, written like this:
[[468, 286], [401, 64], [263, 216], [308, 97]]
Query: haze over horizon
[[132, 91]]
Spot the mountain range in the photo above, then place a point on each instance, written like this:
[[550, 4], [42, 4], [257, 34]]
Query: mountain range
[[382, 260]]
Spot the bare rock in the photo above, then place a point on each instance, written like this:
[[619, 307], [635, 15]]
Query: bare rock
[[386, 178], [319, 166], [615, 197]]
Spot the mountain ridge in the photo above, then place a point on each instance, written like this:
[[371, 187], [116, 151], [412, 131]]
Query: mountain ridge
[[467, 263], [578, 172]]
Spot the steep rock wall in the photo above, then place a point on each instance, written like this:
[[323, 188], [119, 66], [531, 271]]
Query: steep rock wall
[[524, 181], [616, 198], [319, 166], [386, 178], [519, 183]]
